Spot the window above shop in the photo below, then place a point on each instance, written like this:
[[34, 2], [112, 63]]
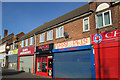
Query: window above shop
[[59, 32], [13, 46], [86, 24], [50, 35], [26, 42], [42, 37], [31, 41], [103, 19], [22, 45]]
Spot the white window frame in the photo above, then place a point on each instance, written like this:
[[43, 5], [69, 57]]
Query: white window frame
[[26, 42], [43, 37], [13, 46], [31, 41], [84, 24], [50, 35], [58, 32], [104, 19], [22, 43]]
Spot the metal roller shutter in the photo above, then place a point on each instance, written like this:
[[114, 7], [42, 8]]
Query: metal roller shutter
[[12, 62], [26, 63], [73, 64]]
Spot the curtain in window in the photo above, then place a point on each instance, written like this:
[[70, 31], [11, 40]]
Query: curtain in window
[[86, 24], [107, 18], [99, 20]]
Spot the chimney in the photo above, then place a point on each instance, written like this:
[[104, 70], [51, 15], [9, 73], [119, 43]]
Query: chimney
[[5, 32]]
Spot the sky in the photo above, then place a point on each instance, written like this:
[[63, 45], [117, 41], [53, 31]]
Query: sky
[[25, 16]]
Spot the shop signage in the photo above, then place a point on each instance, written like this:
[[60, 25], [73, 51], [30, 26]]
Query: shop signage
[[3, 48], [10, 52], [15, 51], [44, 48], [26, 51], [80, 42], [106, 36], [72, 48]]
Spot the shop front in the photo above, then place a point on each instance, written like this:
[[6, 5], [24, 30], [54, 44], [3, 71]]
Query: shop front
[[106, 47], [74, 60], [44, 60], [13, 59], [26, 59], [2, 59], [3, 55]]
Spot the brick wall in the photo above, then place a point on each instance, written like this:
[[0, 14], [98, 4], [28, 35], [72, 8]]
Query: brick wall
[[75, 28]]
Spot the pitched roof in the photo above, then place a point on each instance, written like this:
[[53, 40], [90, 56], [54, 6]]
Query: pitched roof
[[77, 12]]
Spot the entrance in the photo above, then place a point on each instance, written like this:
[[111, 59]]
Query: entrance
[[44, 66]]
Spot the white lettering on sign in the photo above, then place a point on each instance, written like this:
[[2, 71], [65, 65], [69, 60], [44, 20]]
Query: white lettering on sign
[[112, 34], [84, 41], [28, 52]]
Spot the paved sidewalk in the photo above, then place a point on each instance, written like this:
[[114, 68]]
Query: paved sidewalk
[[9, 73]]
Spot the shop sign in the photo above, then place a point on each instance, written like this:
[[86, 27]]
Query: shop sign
[[26, 51], [10, 52], [44, 48], [80, 42], [15, 51], [3, 48], [106, 36]]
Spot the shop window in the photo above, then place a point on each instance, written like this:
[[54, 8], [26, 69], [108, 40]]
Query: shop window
[[50, 35], [86, 24], [22, 45], [44, 64], [103, 19], [39, 64], [42, 37], [31, 41], [26, 43], [59, 32]]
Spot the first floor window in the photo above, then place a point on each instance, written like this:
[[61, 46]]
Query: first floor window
[[31, 41], [50, 35], [59, 32], [22, 45], [42, 37], [26, 43], [103, 19], [86, 24]]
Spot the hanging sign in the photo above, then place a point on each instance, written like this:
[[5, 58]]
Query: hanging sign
[[106, 36]]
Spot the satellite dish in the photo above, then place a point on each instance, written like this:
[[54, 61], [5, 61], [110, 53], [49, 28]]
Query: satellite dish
[[66, 34]]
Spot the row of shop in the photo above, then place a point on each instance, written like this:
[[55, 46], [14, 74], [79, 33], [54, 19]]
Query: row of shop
[[83, 58]]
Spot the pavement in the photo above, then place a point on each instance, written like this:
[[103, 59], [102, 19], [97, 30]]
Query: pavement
[[10, 74]]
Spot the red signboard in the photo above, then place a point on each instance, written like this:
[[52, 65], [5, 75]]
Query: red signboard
[[106, 36], [26, 51]]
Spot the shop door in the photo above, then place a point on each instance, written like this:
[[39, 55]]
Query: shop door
[[44, 66], [41, 66]]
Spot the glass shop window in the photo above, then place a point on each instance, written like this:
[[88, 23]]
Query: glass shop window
[[44, 64]]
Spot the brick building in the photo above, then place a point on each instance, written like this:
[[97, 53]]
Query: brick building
[[70, 30]]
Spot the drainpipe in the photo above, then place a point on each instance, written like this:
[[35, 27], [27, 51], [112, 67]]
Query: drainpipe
[[35, 55]]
